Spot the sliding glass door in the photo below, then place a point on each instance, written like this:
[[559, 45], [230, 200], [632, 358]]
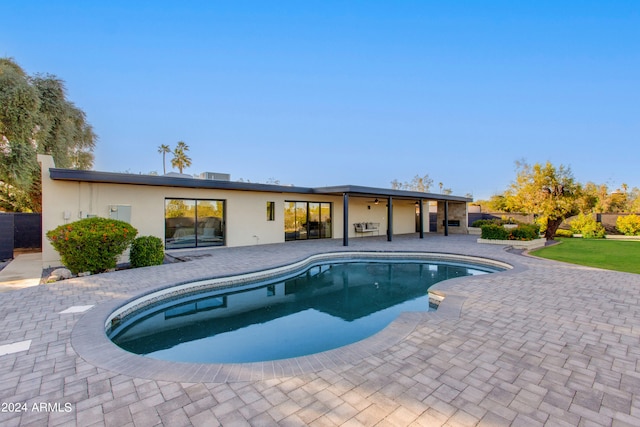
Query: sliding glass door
[[192, 223], [307, 220], [314, 220], [325, 221]]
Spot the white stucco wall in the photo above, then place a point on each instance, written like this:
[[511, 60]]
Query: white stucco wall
[[404, 217]]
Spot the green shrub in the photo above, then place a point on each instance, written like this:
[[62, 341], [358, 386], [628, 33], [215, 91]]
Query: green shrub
[[521, 232], [563, 233], [480, 222], [494, 232], [629, 225], [91, 244], [146, 251], [587, 226], [525, 232], [495, 221]]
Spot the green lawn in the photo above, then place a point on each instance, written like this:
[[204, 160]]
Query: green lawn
[[610, 254]]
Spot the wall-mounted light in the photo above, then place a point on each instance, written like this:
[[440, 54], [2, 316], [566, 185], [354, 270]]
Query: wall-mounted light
[[376, 201]]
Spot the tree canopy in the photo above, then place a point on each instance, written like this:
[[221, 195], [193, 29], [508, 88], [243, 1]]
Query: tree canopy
[[418, 183], [180, 158], [600, 199], [549, 192], [593, 198], [36, 117]]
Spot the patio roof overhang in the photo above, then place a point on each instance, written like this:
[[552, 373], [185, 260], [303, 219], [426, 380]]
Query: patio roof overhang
[[360, 191]]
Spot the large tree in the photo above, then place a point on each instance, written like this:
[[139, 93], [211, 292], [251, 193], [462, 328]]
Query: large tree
[[64, 132], [19, 105], [36, 117], [549, 192]]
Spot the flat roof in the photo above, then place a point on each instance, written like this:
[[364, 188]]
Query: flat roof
[[183, 182], [358, 190]]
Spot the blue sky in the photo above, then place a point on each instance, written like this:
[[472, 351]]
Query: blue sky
[[326, 93]]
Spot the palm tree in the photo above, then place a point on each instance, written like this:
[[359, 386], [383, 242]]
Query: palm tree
[[164, 149], [180, 159]]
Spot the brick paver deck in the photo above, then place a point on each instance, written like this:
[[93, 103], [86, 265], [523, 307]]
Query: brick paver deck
[[543, 344]]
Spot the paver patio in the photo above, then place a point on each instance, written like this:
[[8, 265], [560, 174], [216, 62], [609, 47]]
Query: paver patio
[[545, 343]]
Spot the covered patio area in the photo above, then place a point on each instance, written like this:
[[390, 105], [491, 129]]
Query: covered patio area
[[451, 211]]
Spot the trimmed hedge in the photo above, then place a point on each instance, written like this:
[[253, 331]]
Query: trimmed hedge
[[480, 222], [146, 251], [525, 232], [91, 244], [494, 232], [495, 221], [522, 232]]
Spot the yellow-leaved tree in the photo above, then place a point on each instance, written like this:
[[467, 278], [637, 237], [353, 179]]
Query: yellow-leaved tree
[[550, 193]]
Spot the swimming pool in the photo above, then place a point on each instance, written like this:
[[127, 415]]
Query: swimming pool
[[328, 304]]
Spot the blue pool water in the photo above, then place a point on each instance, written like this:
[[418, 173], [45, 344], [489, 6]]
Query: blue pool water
[[327, 306]]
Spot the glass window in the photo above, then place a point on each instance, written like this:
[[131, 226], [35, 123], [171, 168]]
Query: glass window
[[307, 220], [289, 221], [180, 223], [301, 221], [271, 211], [210, 230], [325, 220], [314, 221], [193, 223]]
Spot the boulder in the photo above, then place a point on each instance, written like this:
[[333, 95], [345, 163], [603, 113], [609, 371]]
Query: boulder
[[59, 274]]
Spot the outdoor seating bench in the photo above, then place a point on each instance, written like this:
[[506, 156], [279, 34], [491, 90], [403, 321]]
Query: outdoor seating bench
[[367, 227]]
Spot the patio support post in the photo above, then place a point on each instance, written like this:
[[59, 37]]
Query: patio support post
[[446, 218], [390, 219], [421, 219], [345, 219]]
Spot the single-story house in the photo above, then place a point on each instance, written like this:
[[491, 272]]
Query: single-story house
[[188, 212]]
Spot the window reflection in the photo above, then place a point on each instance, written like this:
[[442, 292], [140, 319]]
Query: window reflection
[[325, 220], [289, 220], [210, 220], [314, 220], [307, 220], [301, 221], [193, 223]]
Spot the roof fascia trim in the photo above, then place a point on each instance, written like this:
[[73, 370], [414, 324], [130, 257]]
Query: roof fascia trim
[[164, 181]]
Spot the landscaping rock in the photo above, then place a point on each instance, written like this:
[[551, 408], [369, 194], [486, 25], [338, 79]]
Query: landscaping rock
[[59, 274]]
